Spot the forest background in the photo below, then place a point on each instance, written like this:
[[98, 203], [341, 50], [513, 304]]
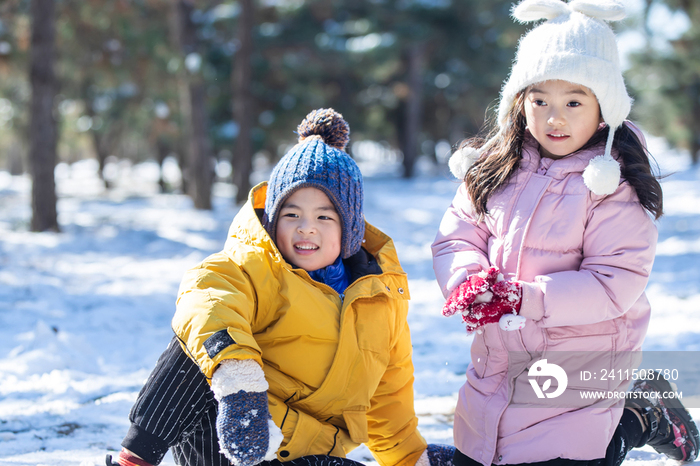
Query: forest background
[[219, 86], [142, 122]]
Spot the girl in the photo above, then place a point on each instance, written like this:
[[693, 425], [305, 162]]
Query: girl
[[551, 235]]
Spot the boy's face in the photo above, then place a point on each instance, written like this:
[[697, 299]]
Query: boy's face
[[561, 116], [309, 232]]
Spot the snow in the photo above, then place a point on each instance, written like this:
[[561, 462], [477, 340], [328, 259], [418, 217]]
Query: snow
[[85, 313]]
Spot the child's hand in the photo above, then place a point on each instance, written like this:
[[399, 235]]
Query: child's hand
[[243, 425], [247, 435], [476, 288], [506, 300], [439, 455], [484, 298], [484, 313]]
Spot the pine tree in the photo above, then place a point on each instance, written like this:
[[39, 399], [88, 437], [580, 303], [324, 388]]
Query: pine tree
[[666, 83], [193, 106]]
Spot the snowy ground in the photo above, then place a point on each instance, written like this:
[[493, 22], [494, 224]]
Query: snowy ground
[[85, 313]]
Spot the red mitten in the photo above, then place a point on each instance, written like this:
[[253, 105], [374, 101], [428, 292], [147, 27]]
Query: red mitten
[[466, 294], [511, 292], [507, 297]]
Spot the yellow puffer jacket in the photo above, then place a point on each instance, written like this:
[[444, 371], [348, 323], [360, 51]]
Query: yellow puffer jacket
[[340, 371]]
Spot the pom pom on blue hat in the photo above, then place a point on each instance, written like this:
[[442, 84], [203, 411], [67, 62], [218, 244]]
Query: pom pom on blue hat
[[319, 161]]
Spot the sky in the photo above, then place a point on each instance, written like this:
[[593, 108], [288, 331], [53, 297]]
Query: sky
[[85, 313]]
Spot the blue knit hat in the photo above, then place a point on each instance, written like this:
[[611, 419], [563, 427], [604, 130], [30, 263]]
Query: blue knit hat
[[319, 161]]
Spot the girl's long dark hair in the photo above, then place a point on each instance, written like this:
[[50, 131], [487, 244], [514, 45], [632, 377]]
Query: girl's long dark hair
[[504, 152]]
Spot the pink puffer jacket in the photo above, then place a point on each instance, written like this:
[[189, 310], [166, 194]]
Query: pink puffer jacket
[[586, 259]]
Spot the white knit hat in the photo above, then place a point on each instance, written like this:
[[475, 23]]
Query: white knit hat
[[575, 45]]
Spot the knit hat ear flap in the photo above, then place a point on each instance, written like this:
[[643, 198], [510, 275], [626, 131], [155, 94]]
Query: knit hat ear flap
[[602, 175]]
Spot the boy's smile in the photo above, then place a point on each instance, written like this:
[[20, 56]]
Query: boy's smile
[[309, 231], [561, 116]]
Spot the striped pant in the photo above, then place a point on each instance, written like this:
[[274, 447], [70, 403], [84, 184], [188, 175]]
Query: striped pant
[[176, 409]]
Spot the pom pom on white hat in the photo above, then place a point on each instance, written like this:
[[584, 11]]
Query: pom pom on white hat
[[602, 175], [462, 160]]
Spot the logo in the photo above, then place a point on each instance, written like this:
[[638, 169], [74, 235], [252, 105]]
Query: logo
[[544, 369]]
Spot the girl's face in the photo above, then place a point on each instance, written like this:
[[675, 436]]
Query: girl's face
[[308, 232], [561, 116]]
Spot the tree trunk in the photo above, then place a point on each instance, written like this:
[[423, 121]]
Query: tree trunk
[[199, 170], [14, 154], [162, 151], [101, 153], [695, 124], [185, 134], [99, 142], [42, 128], [414, 107], [243, 112]]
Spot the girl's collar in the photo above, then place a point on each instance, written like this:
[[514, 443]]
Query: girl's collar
[[586, 161], [601, 171]]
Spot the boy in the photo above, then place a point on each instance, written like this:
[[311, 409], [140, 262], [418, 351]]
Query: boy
[[301, 318]]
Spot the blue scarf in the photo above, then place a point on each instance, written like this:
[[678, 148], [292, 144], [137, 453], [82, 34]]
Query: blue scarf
[[335, 275]]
